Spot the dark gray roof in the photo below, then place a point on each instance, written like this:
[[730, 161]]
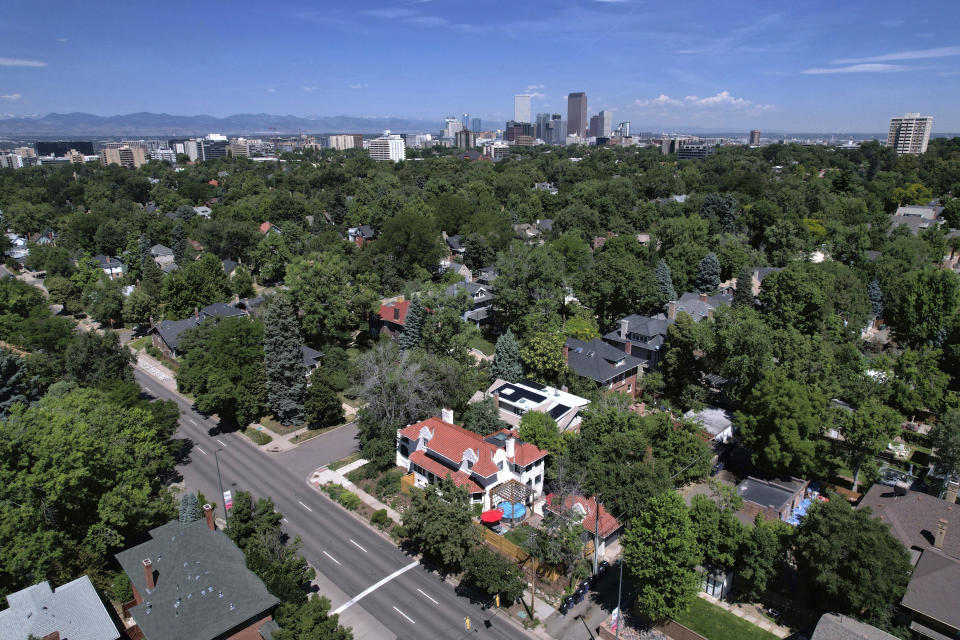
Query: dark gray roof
[[770, 492], [933, 588], [228, 266], [698, 308], [106, 262], [311, 357], [170, 267], [836, 627], [648, 331], [268, 628], [74, 610], [598, 360], [487, 274], [546, 224], [914, 223], [366, 231], [914, 518], [160, 250], [170, 330], [203, 587], [220, 310], [477, 292], [763, 272], [455, 242]]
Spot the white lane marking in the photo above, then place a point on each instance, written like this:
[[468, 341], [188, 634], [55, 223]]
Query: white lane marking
[[375, 586], [285, 520], [305, 507], [221, 442], [356, 545], [332, 558], [427, 597], [201, 451], [404, 615]]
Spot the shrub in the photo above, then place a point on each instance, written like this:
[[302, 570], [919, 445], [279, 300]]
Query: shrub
[[120, 589], [356, 475], [399, 532], [349, 500], [380, 519], [389, 484], [333, 490], [154, 352]]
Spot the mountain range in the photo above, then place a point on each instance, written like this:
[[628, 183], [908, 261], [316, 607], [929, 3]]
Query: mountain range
[[164, 124]]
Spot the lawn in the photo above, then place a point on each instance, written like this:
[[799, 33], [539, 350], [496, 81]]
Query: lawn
[[276, 427], [518, 535], [258, 437], [715, 623], [140, 343], [477, 342], [333, 466]]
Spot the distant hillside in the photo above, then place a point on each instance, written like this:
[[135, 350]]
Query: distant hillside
[[163, 124]]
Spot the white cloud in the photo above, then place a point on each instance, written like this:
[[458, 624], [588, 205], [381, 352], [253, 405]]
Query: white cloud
[[949, 73], [358, 85], [721, 100], [857, 68], [662, 100], [20, 62], [61, 39], [311, 87], [11, 97], [271, 90], [534, 87], [941, 52], [890, 23]]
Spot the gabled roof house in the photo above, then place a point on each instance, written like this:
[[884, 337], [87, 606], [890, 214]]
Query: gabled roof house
[[73, 611], [608, 366]]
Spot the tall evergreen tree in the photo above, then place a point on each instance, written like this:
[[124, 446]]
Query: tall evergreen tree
[[189, 508], [875, 294], [286, 372], [178, 242], [143, 247], [743, 294], [665, 281], [708, 273], [506, 363], [412, 326], [15, 383], [152, 280]]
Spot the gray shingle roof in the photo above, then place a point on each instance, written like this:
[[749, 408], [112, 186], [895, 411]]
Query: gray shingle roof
[[933, 588], [106, 262], [699, 309], [220, 310], [170, 330], [479, 293], [648, 331], [598, 360], [311, 357], [74, 610], [835, 627], [203, 588], [160, 250], [913, 518], [455, 242]]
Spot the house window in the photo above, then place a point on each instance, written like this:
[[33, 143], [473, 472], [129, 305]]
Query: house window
[[469, 464], [404, 451], [538, 479], [500, 465]]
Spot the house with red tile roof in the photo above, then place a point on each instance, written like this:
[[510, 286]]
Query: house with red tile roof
[[392, 316], [435, 448], [585, 510]]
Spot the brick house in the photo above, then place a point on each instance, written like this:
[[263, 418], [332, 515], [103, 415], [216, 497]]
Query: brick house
[[191, 581], [606, 365], [435, 448], [166, 333], [642, 337], [391, 317], [776, 498]]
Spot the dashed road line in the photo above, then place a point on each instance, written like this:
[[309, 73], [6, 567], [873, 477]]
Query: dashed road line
[[201, 451], [221, 442], [404, 615], [427, 597], [356, 545], [332, 558], [305, 507]]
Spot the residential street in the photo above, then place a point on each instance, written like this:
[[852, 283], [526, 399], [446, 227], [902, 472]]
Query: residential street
[[394, 596]]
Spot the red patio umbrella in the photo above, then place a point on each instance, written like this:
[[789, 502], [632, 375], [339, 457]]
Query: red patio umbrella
[[491, 516]]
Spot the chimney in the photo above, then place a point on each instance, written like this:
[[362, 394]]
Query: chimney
[[952, 489], [151, 322], [196, 313], [208, 514], [672, 310], [626, 347], [941, 533], [446, 414], [148, 574], [496, 399], [510, 442], [396, 313], [900, 489], [623, 329], [564, 389], [703, 297], [566, 352], [53, 635]]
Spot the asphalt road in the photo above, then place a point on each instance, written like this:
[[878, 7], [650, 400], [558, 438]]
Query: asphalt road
[[412, 603]]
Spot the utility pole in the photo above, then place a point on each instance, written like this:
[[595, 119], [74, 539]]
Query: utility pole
[[226, 514], [619, 611]]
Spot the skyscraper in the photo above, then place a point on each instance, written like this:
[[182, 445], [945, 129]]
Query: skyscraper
[[755, 138], [451, 126], [910, 133], [388, 147], [477, 125], [521, 108], [542, 120], [577, 114], [624, 129], [606, 124], [594, 129], [465, 120]]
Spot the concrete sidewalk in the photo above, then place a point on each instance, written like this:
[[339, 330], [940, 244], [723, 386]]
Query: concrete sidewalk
[[323, 475]]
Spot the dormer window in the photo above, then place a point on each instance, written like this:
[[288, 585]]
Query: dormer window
[[469, 464]]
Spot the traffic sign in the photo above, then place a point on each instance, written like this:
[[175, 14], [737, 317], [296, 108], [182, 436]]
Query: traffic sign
[[227, 500]]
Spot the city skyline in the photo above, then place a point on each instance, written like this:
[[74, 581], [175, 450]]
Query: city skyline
[[821, 68]]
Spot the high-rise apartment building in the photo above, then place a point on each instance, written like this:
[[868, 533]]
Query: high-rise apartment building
[[577, 114], [755, 138], [623, 130], [606, 124], [125, 156], [465, 139], [346, 141], [594, 128], [388, 147], [910, 133], [556, 131], [521, 108], [465, 120], [477, 126], [541, 128], [11, 161], [451, 126]]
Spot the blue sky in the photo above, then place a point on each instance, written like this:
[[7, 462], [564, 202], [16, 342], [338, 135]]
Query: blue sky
[[725, 65]]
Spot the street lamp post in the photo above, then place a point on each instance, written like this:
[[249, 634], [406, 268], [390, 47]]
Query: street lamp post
[[619, 610], [226, 514]]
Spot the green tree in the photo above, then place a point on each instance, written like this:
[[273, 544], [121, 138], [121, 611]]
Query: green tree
[[189, 508], [682, 244], [271, 257], [619, 283], [412, 326], [875, 294], [718, 532], [198, 284], [242, 282], [283, 360], [721, 208], [139, 307], [945, 441], [781, 421], [410, 239], [918, 382], [681, 365], [538, 428], [866, 431], [16, 385], [506, 363], [836, 546], [143, 250], [483, 417], [920, 305], [528, 288], [742, 349], [223, 368], [708, 273], [322, 407], [664, 282], [660, 552], [439, 524], [493, 574], [542, 356], [763, 554], [178, 243], [105, 303], [93, 359], [311, 621]]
